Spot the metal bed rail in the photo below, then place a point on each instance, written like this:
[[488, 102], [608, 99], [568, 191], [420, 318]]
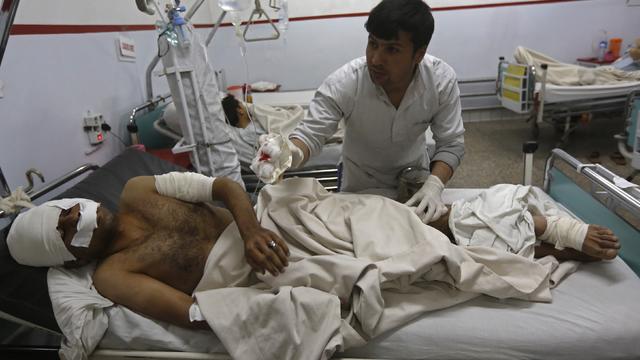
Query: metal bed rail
[[132, 127], [613, 195], [327, 177], [58, 182]]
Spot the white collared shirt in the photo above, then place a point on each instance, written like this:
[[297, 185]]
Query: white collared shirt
[[381, 140]]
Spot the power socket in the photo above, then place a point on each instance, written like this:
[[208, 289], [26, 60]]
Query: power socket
[[93, 128]]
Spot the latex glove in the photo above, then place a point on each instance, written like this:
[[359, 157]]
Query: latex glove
[[429, 199], [275, 155]]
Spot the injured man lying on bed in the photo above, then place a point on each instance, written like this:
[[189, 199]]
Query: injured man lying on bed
[[307, 273]]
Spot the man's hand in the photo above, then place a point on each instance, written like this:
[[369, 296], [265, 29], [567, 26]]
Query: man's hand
[[264, 250], [429, 199]]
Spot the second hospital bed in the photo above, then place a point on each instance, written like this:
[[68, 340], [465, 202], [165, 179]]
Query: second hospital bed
[[595, 313], [524, 87]]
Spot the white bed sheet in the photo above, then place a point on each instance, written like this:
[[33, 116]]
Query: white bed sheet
[[558, 93], [284, 98], [595, 314]]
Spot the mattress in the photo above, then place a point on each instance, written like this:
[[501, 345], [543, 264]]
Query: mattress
[[595, 314], [558, 93]]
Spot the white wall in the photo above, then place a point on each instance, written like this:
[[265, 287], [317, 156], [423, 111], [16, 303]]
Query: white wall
[[470, 40], [52, 80], [49, 84]]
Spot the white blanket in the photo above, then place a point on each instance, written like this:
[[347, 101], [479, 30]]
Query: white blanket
[[281, 120], [79, 310], [559, 73], [369, 254], [500, 217]]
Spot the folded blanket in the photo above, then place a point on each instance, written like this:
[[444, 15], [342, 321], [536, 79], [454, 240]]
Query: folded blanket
[[559, 73]]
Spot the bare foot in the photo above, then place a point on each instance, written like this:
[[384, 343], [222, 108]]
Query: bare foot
[[600, 243]]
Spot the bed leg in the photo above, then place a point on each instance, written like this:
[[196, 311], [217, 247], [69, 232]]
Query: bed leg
[[528, 148], [535, 130]]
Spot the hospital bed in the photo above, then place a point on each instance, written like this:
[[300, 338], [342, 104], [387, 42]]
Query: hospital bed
[[524, 89], [595, 313], [629, 138]]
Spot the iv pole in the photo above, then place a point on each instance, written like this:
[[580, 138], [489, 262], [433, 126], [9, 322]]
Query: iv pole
[[8, 10]]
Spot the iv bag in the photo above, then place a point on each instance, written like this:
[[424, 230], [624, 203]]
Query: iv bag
[[234, 5], [283, 16]]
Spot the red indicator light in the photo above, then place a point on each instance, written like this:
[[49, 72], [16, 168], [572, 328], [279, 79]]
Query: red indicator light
[[100, 137]]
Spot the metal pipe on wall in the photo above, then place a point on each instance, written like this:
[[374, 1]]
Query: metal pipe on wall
[[7, 14], [4, 186], [8, 10]]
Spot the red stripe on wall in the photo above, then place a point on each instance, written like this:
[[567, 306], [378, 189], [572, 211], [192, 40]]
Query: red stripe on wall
[[25, 29], [28, 29]]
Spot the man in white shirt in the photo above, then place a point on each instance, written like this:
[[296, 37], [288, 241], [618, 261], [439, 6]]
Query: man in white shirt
[[388, 100]]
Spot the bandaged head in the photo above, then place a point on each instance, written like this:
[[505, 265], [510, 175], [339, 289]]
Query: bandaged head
[[35, 241]]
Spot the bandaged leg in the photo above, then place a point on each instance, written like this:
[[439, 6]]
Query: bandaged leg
[[191, 187], [564, 232]]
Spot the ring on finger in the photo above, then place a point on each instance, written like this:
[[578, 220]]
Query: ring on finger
[[272, 245]]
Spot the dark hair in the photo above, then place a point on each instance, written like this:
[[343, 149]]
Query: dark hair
[[230, 107], [412, 16]]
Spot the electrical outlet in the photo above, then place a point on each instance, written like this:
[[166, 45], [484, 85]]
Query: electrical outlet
[[93, 128]]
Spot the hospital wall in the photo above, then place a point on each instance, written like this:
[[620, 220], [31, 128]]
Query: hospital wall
[[469, 39], [51, 76]]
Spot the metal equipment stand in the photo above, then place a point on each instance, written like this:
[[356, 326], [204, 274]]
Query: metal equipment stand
[[528, 149]]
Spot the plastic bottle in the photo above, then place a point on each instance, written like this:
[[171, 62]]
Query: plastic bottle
[[283, 16], [234, 5], [602, 50], [615, 45]]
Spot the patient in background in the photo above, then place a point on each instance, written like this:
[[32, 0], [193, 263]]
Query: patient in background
[[236, 113], [247, 122], [152, 253]]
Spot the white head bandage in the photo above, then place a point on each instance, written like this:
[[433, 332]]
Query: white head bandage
[[34, 240], [88, 218]]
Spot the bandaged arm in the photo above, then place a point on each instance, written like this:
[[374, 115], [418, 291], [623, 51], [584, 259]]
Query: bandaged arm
[[194, 187], [185, 186]]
